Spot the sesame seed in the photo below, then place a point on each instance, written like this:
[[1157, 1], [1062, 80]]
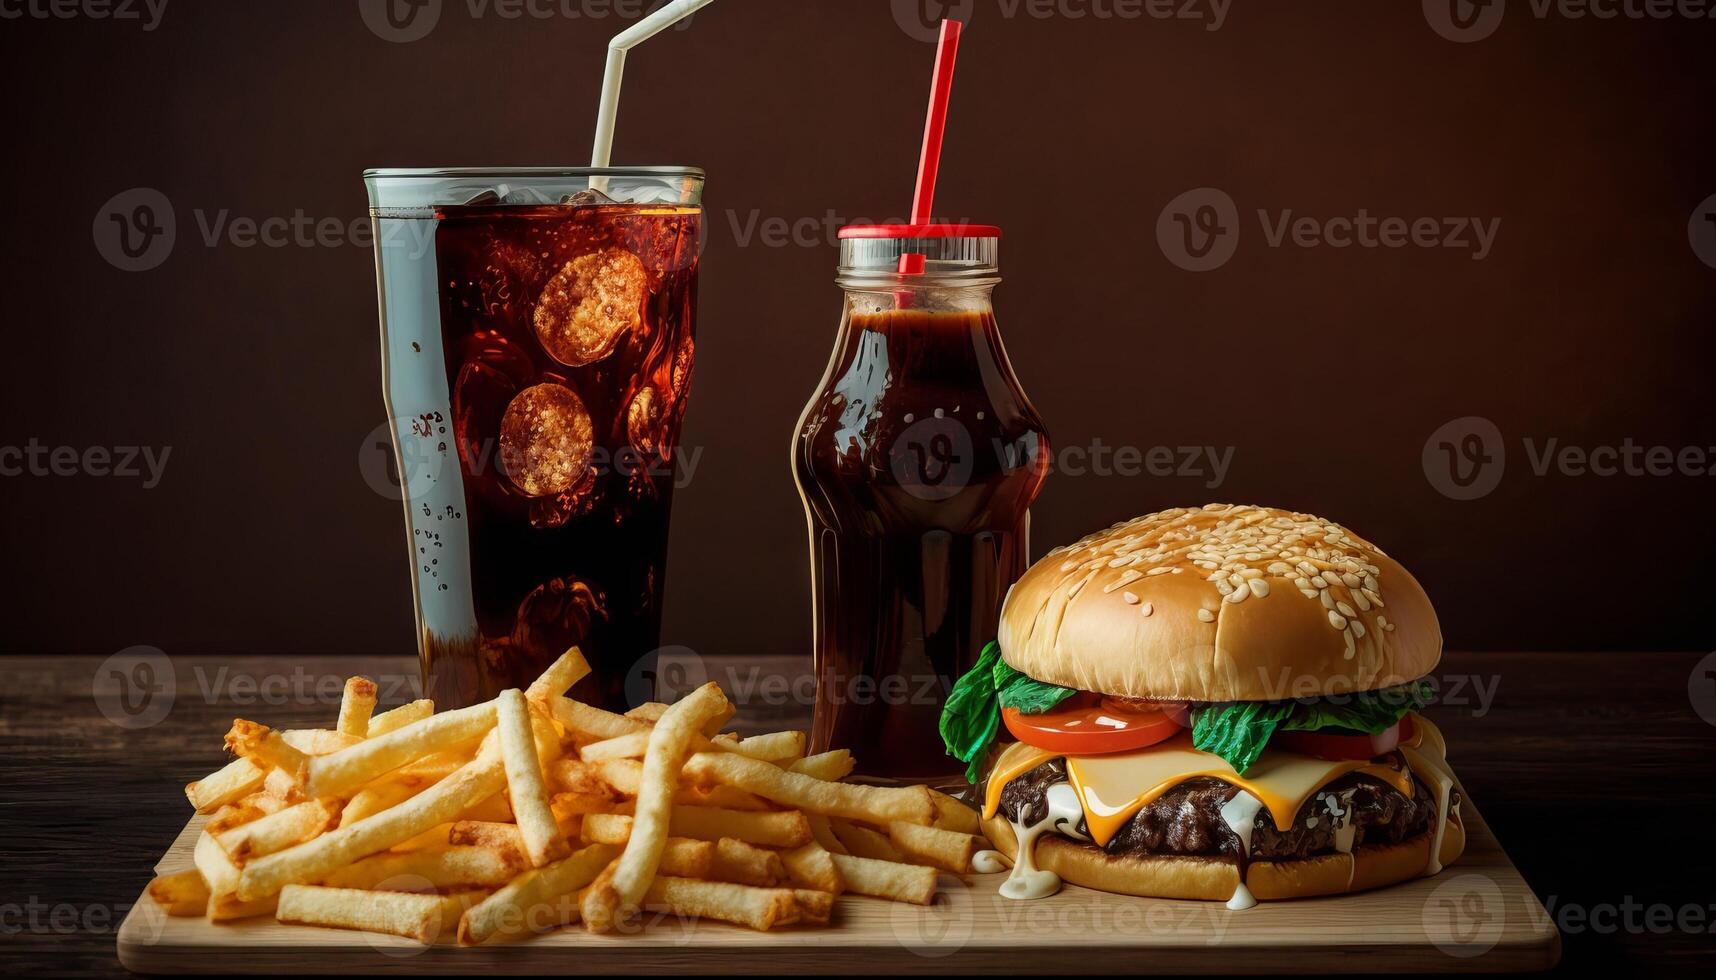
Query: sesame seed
[[1337, 620], [1345, 610], [1147, 608], [1205, 616], [1130, 597], [1259, 587], [1238, 595]]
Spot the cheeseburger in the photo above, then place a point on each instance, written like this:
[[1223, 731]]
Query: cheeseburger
[[1215, 703]]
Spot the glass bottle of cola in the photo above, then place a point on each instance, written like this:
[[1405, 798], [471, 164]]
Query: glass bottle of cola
[[917, 459]]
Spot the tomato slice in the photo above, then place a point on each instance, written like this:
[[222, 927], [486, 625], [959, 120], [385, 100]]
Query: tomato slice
[[1089, 724], [1324, 745]]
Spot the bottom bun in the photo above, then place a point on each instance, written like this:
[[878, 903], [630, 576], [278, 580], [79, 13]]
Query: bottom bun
[[1217, 878]]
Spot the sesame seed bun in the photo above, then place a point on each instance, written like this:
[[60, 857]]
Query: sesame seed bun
[[1216, 879], [1220, 603]]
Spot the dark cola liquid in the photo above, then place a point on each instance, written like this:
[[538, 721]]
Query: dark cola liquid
[[567, 339], [918, 461]]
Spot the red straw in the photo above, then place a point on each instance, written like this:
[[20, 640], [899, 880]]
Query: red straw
[[935, 126]]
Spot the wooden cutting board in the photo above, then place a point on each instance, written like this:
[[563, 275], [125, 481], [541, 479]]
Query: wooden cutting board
[[1477, 915]]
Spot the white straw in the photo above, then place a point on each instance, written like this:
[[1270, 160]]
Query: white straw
[[643, 30]]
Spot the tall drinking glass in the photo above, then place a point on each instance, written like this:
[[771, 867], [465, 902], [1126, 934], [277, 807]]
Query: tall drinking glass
[[537, 345]]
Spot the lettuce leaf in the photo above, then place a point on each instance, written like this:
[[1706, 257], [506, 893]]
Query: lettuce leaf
[[1238, 731], [971, 718]]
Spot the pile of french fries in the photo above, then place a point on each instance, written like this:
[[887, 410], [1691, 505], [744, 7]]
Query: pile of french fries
[[534, 811]]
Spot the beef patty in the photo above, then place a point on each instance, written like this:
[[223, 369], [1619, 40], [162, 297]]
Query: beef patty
[[1187, 820]]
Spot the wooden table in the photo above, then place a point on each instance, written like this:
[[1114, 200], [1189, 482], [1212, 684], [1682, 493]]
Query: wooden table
[[1594, 769]]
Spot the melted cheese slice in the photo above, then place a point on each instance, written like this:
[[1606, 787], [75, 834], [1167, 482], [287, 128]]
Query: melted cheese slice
[[1112, 788]]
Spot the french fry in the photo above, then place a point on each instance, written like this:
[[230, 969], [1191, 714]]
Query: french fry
[[746, 864], [784, 828], [180, 894], [582, 788], [832, 766], [774, 747], [814, 907], [822, 829], [585, 724], [489, 833], [569, 669], [870, 804], [864, 842], [444, 868], [687, 858], [494, 808], [282, 786], [421, 917], [649, 712], [434, 839], [268, 749], [357, 704], [680, 856], [948, 850], [313, 859], [485, 833], [319, 741], [442, 764], [758, 908], [668, 746], [219, 873], [912, 883], [812, 867], [954, 815], [543, 842], [233, 815], [235, 780], [629, 746], [345, 771], [228, 908], [723, 797], [278, 831], [626, 775], [388, 791], [399, 717], [264, 803], [538, 899]]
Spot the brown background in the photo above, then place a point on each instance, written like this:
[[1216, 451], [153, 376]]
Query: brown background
[[1326, 369]]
